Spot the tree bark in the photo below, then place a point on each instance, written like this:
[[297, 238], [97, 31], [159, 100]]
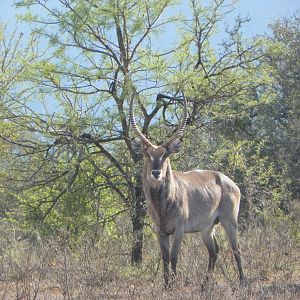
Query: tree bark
[[138, 222]]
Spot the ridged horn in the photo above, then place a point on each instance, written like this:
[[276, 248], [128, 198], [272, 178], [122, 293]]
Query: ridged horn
[[179, 133], [134, 126]]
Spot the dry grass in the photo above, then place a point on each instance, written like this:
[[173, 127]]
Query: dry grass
[[54, 270]]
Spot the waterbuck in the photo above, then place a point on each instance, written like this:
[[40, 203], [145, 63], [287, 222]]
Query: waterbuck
[[185, 202]]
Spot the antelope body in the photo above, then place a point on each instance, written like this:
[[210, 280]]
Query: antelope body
[[185, 202]]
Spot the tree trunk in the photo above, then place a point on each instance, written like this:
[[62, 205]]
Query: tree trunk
[[138, 222]]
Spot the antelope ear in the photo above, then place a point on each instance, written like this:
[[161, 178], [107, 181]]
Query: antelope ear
[[175, 146], [137, 146]]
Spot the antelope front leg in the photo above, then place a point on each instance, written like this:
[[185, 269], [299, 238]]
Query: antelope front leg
[[164, 243], [175, 251]]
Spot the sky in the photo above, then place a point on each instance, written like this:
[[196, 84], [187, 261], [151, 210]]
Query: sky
[[261, 12]]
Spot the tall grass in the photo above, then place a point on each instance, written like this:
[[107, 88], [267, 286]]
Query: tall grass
[[54, 268]]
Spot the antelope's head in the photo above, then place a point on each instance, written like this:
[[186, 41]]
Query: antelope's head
[[157, 157]]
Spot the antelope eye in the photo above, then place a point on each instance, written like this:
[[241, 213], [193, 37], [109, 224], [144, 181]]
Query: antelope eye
[[164, 156], [149, 156]]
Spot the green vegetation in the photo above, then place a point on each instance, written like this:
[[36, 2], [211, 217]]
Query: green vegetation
[[72, 213]]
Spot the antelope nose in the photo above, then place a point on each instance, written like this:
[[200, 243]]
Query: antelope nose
[[156, 173]]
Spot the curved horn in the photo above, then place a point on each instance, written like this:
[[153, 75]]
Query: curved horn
[[179, 133], [135, 128]]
